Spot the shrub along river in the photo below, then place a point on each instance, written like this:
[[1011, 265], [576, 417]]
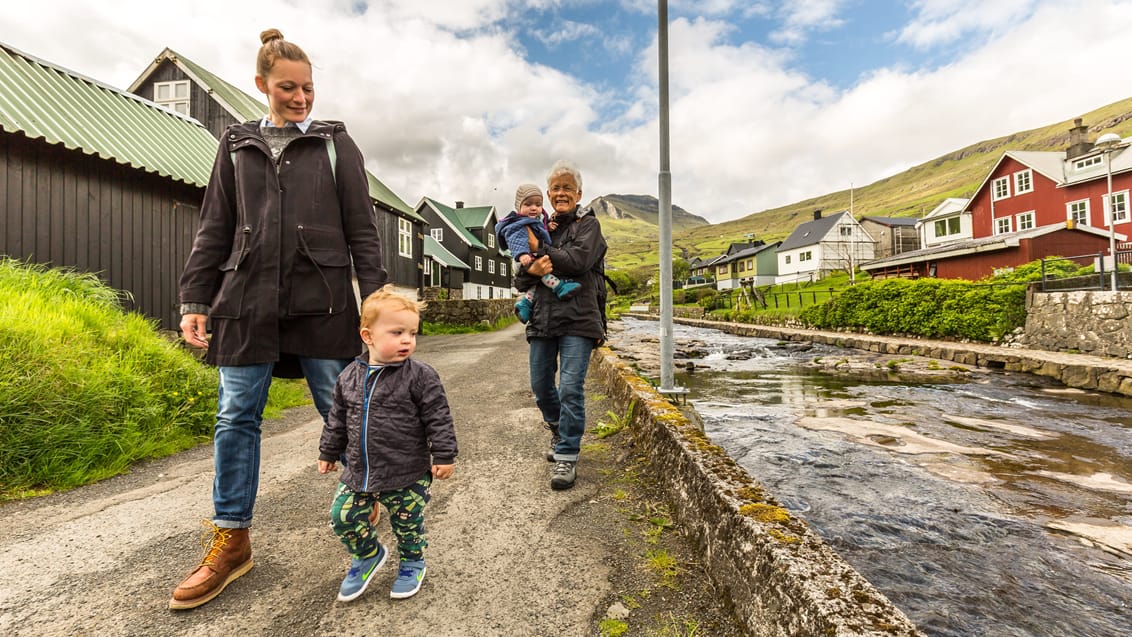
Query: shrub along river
[[980, 502]]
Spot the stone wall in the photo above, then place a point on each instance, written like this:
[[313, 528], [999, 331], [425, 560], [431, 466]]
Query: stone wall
[[468, 312], [781, 578], [1090, 322]]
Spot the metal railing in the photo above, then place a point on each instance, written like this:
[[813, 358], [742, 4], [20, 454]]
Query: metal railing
[[1101, 279]]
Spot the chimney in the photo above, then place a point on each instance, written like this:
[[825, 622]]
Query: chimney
[[459, 204], [1079, 143], [817, 214]]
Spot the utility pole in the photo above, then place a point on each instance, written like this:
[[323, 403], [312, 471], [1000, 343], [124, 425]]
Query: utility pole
[[665, 199]]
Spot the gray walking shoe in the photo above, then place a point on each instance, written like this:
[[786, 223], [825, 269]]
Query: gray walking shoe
[[564, 475], [554, 440]]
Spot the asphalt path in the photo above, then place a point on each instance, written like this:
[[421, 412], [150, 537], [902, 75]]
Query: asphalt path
[[506, 556]]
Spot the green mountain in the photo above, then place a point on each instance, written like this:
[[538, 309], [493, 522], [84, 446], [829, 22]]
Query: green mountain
[[912, 193], [644, 208]]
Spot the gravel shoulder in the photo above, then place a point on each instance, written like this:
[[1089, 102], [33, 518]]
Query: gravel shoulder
[[507, 555]]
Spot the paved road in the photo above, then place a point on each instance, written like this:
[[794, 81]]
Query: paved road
[[507, 555]]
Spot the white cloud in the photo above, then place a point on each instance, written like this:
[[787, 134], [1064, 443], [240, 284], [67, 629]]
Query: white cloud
[[443, 103], [799, 17], [945, 21]]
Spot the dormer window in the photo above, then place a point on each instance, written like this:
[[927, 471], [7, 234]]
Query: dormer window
[[1088, 162]]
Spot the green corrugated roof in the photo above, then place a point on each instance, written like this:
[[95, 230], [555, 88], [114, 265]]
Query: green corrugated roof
[[45, 101], [434, 250], [456, 221], [244, 107]]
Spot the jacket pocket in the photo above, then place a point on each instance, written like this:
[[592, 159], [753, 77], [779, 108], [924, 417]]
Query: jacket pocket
[[320, 281], [229, 301]]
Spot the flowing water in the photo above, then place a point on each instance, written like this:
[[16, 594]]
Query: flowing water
[[999, 504]]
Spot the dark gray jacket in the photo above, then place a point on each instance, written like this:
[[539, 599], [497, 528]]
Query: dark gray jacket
[[273, 253], [577, 251], [392, 422]]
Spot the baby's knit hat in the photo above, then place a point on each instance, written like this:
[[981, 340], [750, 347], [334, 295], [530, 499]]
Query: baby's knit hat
[[524, 191]]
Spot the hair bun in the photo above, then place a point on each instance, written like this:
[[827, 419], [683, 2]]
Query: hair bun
[[270, 35]]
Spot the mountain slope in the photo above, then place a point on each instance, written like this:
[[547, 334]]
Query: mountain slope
[[912, 193], [644, 208]]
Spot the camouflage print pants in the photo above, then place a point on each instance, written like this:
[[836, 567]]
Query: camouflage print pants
[[350, 512]]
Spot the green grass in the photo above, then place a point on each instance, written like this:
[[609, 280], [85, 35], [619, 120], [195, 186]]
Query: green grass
[[87, 389], [428, 328]]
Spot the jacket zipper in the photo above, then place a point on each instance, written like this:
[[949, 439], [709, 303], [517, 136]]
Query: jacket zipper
[[365, 418]]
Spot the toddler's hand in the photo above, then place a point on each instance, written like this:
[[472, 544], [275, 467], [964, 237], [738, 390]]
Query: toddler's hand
[[525, 259], [443, 471], [552, 225], [326, 467]]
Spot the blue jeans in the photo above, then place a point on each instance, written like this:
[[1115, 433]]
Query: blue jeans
[[566, 403], [239, 413]]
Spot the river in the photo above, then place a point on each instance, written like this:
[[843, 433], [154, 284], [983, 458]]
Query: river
[[982, 503]]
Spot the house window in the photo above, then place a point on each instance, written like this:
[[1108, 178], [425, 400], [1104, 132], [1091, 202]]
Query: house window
[[479, 263], [503, 268], [750, 265], [437, 233], [404, 237], [427, 265], [742, 266], [1119, 206], [1078, 212], [946, 227], [491, 240], [806, 256], [1087, 162], [721, 270], [1023, 181], [491, 266], [846, 231], [788, 259], [1000, 188], [1002, 225], [172, 95], [1026, 220]]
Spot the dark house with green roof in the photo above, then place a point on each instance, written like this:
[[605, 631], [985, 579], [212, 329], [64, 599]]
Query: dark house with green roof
[[180, 84], [468, 235], [99, 179]]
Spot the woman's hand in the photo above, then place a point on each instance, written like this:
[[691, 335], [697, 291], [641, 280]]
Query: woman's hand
[[193, 329], [541, 266]]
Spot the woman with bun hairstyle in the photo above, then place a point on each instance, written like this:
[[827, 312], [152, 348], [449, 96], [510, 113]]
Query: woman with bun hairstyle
[[285, 215]]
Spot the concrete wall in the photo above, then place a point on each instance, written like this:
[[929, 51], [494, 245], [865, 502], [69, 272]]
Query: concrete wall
[[1090, 322], [781, 578], [469, 312]]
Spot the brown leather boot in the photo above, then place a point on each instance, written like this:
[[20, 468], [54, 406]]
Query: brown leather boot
[[228, 555]]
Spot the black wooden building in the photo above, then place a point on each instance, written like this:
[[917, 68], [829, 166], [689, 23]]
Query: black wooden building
[[97, 179]]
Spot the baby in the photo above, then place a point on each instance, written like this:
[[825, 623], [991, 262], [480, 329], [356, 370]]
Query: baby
[[524, 231]]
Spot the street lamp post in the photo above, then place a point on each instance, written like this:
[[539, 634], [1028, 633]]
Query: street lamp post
[[1108, 143]]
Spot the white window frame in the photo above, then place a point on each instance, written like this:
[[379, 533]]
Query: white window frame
[[503, 268], [437, 233], [788, 259], [1000, 188], [1024, 220], [1002, 225], [1023, 181], [491, 266], [1088, 162], [1076, 216], [1118, 204], [491, 239], [846, 230], [404, 237], [479, 263], [172, 101]]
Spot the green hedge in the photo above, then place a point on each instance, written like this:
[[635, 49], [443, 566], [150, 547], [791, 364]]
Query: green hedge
[[935, 308]]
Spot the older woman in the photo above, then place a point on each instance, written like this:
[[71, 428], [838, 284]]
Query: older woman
[[563, 332]]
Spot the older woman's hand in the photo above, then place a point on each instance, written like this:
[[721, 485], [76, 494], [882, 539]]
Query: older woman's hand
[[541, 266]]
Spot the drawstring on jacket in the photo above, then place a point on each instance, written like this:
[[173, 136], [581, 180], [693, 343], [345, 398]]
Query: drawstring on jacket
[[326, 283]]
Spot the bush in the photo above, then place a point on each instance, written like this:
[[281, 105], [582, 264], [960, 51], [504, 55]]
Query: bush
[[678, 297], [706, 296], [935, 308], [86, 389]]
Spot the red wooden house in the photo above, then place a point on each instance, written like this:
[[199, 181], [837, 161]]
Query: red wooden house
[[1033, 205]]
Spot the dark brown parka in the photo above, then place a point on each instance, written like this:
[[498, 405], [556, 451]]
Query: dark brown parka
[[272, 257]]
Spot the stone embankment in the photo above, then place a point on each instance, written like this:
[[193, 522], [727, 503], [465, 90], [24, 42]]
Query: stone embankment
[[1083, 371], [780, 577]]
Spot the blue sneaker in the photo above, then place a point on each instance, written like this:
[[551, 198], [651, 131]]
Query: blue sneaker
[[409, 579], [358, 577], [567, 289], [523, 309]]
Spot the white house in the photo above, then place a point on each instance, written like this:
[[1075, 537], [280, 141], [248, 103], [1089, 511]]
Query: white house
[[823, 245], [949, 222]]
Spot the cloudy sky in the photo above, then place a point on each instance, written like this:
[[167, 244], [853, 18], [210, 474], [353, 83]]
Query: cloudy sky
[[772, 102]]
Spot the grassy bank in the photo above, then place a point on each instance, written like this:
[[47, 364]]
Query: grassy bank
[[86, 389]]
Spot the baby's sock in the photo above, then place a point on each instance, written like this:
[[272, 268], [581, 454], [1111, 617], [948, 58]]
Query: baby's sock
[[550, 281]]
